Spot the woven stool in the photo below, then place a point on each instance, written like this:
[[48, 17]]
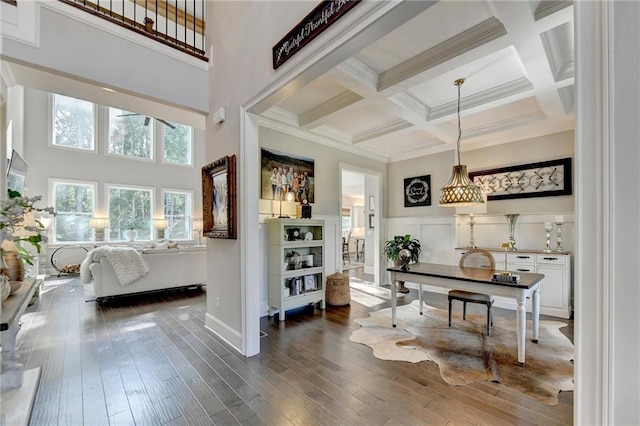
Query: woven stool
[[338, 292]]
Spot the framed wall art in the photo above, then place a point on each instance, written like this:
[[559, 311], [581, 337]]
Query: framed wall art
[[282, 173], [417, 191], [542, 179], [219, 198]]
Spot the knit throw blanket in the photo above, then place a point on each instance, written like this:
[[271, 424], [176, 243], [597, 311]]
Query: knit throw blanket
[[126, 262]]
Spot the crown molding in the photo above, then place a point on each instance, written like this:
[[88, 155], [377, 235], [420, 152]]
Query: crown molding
[[282, 115], [558, 46], [568, 99], [502, 125], [476, 36], [502, 91], [384, 129], [549, 7], [323, 112], [407, 101], [360, 72], [322, 140]]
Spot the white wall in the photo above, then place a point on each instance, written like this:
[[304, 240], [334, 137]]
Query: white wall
[[78, 44], [327, 196], [47, 162], [551, 147]]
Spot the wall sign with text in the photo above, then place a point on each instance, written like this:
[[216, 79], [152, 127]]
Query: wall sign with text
[[417, 191], [318, 20]]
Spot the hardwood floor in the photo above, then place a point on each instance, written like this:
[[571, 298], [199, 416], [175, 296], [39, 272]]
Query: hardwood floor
[[149, 360]]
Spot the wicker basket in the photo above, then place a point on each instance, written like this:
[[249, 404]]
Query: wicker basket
[[338, 291]]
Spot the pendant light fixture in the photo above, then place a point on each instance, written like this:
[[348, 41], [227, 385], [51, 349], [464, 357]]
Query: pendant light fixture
[[460, 190]]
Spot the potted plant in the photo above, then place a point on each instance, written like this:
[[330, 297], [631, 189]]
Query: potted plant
[[392, 251]]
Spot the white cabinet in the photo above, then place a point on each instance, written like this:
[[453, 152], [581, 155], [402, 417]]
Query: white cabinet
[[556, 289], [296, 264]]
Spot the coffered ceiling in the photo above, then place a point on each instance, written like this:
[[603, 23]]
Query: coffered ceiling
[[395, 99]]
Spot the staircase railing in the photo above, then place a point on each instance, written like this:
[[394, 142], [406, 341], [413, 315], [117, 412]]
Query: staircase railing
[[179, 24]]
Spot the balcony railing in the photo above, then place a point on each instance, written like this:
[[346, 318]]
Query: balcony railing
[[178, 24]]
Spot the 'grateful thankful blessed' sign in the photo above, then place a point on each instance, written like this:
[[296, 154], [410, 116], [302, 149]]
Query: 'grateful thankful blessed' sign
[[320, 18]]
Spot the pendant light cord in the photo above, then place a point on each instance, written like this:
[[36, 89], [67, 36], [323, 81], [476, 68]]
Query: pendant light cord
[[459, 83]]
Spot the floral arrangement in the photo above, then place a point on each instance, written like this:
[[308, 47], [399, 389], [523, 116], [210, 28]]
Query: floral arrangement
[[13, 211]]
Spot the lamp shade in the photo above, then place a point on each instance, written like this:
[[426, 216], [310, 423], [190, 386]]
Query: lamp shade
[[460, 191], [197, 224], [99, 222], [161, 223], [28, 220]]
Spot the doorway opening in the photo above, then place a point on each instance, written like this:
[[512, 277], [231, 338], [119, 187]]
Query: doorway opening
[[359, 207]]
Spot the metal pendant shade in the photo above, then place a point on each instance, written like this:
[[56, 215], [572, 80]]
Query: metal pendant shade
[[460, 190]]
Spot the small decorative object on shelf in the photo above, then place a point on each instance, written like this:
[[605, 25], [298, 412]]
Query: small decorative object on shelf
[[405, 258], [511, 221], [547, 228], [304, 210], [559, 220]]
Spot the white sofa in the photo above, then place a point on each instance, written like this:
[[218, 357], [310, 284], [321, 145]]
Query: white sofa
[[168, 269]]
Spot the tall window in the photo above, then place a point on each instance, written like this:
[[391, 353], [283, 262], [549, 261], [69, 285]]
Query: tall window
[[74, 203], [177, 210], [177, 144], [130, 208], [130, 134], [73, 123]]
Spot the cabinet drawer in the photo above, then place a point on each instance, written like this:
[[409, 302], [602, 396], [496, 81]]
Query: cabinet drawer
[[521, 258], [551, 259], [521, 268]]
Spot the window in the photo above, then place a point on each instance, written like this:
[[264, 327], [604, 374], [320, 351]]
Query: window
[[74, 203], [130, 134], [130, 208], [177, 210], [177, 143], [73, 123]]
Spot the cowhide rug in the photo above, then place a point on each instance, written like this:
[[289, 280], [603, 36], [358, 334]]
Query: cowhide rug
[[465, 354]]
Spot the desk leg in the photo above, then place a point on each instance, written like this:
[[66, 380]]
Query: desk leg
[[536, 314], [393, 300], [420, 297], [521, 322]]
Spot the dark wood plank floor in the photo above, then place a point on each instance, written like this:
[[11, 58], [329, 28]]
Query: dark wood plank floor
[[150, 361]]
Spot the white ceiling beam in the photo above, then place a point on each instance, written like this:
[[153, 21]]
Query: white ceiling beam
[[520, 24], [476, 36], [328, 110]]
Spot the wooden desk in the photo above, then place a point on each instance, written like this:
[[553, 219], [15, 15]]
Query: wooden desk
[[476, 280]]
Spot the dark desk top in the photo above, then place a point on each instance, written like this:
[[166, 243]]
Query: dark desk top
[[12, 307], [480, 275]]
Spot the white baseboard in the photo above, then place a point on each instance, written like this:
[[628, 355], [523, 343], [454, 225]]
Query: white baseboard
[[223, 331]]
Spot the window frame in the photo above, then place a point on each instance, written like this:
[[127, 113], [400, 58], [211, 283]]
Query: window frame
[[188, 217], [52, 200], [52, 119], [107, 196], [107, 136], [161, 129]]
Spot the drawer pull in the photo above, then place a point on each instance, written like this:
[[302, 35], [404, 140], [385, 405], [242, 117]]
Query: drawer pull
[[522, 257], [550, 258], [523, 270]]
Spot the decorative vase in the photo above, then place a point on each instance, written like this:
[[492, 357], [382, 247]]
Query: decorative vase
[[13, 265], [401, 287], [131, 234], [511, 221]]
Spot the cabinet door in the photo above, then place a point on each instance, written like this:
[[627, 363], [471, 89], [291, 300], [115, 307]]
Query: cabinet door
[[552, 287]]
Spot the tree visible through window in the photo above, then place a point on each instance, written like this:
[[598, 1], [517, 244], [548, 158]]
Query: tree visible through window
[[177, 210], [74, 204], [130, 134], [130, 208], [177, 144], [73, 123]]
